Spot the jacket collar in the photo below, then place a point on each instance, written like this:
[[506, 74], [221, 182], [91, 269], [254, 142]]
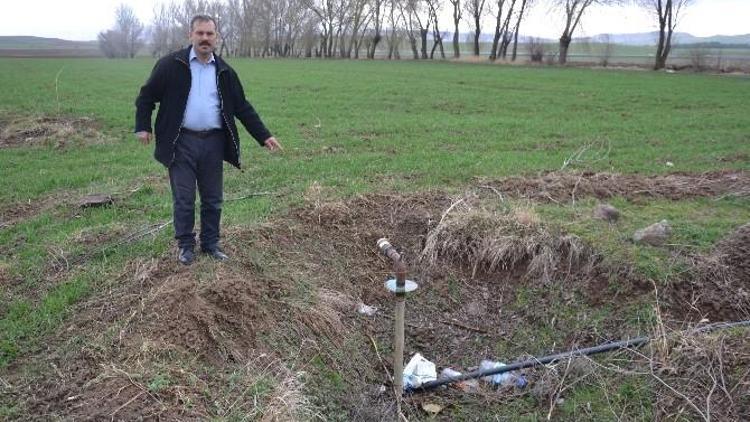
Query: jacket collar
[[184, 56], [193, 55]]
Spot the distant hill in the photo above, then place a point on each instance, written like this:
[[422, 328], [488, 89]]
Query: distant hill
[[650, 38], [635, 39], [28, 46]]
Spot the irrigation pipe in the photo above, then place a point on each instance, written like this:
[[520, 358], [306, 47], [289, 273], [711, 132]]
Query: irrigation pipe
[[631, 343]]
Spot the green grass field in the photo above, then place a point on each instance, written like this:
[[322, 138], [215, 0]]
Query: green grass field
[[353, 128]]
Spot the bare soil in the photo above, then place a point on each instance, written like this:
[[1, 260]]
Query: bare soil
[[173, 342], [11, 214], [717, 287]]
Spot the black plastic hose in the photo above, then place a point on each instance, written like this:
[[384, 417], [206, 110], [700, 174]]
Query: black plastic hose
[[632, 343]]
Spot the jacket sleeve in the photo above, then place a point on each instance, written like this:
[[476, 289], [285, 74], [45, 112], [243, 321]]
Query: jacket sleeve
[[150, 94], [245, 112]]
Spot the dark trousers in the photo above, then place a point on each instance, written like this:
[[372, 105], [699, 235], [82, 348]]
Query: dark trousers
[[198, 162]]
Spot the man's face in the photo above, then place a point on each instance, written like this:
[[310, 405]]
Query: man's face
[[203, 37]]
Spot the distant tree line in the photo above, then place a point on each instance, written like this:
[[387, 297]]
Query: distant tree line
[[360, 28]]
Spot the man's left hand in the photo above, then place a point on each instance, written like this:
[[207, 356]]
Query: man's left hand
[[273, 145]]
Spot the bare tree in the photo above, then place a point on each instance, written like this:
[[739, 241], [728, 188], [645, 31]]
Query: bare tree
[[160, 31], [573, 11], [475, 9], [456, 20], [407, 15], [423, 23], [434, 7], [524, 5], [124, 40], [668, 13], [231, 24], [132, 28], [360, 18], [326, 12], [111, 44], [378, 7], [393, 33], [535, 48], [502, 20], [606, 48]]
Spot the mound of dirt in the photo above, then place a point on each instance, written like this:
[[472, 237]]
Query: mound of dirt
[[218, 320], [57, 131], [734, 252], [717, 286], [564, 187], [166, 315]]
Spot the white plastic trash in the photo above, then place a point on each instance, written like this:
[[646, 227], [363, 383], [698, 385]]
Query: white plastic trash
[[497, 379], [418, 371], [505, 378], [465, 385], [366, 309], [449, 373]]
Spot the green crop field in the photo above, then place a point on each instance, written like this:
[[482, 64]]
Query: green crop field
[[358, 137]]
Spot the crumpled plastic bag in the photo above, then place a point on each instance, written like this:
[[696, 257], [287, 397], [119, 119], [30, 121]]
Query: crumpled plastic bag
[[418, 371]]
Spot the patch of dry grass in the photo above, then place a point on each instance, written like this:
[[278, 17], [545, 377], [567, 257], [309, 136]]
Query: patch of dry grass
[[490, 240], [57, 131]]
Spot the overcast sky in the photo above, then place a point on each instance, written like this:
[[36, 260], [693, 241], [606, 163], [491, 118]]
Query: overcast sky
[[82, 20]]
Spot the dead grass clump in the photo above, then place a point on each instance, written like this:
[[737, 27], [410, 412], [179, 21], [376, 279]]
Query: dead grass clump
[[561, 187], [704, 376], [265, 389], [323, 317], [287, 401], [56, 131], [490, 241]]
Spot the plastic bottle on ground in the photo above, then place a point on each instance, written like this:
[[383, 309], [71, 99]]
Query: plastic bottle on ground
[[511, 378]]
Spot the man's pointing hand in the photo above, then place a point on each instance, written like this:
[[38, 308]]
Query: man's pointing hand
[[273, 145]]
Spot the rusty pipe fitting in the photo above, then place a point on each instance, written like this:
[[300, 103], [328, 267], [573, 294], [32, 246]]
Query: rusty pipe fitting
[[399, 268]]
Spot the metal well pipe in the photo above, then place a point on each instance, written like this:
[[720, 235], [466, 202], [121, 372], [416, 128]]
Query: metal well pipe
[[399, 269], [398, 346]]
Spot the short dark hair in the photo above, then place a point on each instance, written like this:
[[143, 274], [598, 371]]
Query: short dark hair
[[203, 18]]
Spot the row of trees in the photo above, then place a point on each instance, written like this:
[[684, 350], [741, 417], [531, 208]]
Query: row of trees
[[338, 28], [360, 28]]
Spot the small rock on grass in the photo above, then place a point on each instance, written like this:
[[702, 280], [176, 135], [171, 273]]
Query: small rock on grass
[[96, 200], [654, 235], [607, 213]]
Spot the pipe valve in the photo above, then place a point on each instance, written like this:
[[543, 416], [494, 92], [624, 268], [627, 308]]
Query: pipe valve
[[400, 285]]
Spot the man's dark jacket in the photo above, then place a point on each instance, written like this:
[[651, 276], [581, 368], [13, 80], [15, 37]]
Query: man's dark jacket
[[169, 85]]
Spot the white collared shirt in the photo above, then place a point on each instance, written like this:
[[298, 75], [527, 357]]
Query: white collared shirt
[[203, 109]]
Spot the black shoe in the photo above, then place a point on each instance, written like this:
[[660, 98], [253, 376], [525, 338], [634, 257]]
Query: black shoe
[[186, 256], [216, 253]]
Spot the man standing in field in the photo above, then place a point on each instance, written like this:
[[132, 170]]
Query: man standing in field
[[199, 96]]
